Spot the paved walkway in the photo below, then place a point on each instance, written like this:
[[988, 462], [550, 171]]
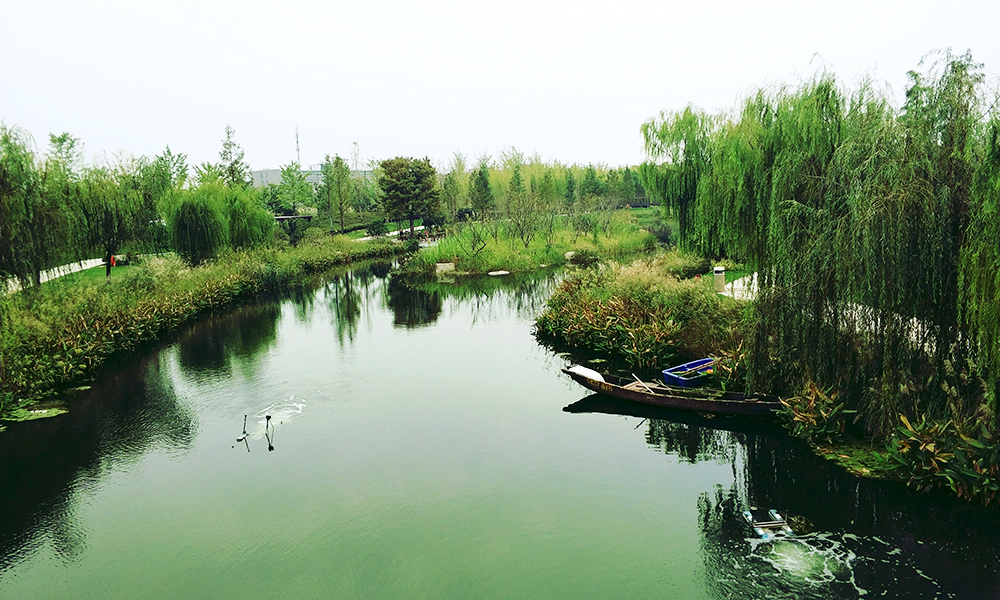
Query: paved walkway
[[744, 288], [83, 265], [389, 234]]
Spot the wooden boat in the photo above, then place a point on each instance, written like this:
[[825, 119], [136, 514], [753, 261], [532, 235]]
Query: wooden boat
[[658, 394]]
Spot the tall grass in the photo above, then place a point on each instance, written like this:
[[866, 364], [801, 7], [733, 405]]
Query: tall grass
[[474, 250], [642, 313]]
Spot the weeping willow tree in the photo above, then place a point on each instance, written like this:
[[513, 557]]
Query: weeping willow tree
[[198, 222], [251, 224], [679, 146], [35, 222], [856, 217], [979, 272]]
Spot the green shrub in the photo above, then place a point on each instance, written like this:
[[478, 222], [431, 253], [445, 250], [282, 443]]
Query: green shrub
[[640, 314], [683, 265], [376, 228], [584, 258], [815, 415]]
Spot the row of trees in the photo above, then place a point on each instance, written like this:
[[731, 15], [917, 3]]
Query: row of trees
[[483, 191], [527, 197], [873, 231], [486, 186], [55, 210]]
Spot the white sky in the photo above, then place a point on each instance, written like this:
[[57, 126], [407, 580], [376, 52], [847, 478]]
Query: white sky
[[572, 81]]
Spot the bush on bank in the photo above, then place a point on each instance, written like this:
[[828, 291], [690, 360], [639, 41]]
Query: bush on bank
[[643, 313]]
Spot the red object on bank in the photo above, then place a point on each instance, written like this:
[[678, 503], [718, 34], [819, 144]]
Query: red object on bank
[[112, 260]]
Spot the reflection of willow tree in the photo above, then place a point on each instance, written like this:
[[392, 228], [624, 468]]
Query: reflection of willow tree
[[343, 292], [302, 303], [211, 346], [878, 535], [871, 534], [690, 442], [44, 463], [412, 306], [351, 290]]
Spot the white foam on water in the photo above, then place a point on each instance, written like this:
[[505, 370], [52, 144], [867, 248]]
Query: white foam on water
[[824, 565], [280, 412]]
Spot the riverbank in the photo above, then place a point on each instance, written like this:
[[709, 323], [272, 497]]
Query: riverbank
[[651, 314], [56, 337]]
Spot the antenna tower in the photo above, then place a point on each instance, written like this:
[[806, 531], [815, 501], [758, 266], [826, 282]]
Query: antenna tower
[[298, 159]]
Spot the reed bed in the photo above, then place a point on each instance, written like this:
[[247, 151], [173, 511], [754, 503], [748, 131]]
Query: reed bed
[[477, 248]]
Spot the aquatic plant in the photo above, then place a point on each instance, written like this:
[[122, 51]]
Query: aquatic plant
[[944, 453], [815, 415]]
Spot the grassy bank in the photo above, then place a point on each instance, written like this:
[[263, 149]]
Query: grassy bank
[[476, 248], [56, 336]]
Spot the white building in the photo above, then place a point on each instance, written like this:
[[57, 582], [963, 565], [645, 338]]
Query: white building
[[266, 177]]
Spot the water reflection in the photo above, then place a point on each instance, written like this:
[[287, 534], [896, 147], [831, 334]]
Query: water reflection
[[488, 298], [412, 306], [45, 465], [303, 302], [347, 294], [238, 337], [872, 537], [418, 301]]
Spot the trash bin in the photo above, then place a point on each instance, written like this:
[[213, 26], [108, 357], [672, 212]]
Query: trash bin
[[719, 279]]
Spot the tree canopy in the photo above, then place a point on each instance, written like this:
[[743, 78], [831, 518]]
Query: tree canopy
[[409, 188], [235, 172], [337, 189]]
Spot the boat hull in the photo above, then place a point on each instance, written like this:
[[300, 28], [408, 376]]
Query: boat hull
[[713, 401]]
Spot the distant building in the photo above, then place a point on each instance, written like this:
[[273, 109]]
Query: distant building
[[266, 177]]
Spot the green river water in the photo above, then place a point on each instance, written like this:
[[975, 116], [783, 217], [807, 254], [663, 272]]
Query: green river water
[[418, 447]]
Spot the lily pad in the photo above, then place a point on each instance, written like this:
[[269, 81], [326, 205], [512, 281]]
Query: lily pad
[[33, 412]]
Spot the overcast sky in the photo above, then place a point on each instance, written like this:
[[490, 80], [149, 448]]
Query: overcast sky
[[572, 81]]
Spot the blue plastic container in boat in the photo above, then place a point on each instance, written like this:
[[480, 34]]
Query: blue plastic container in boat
[[691, 374]]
